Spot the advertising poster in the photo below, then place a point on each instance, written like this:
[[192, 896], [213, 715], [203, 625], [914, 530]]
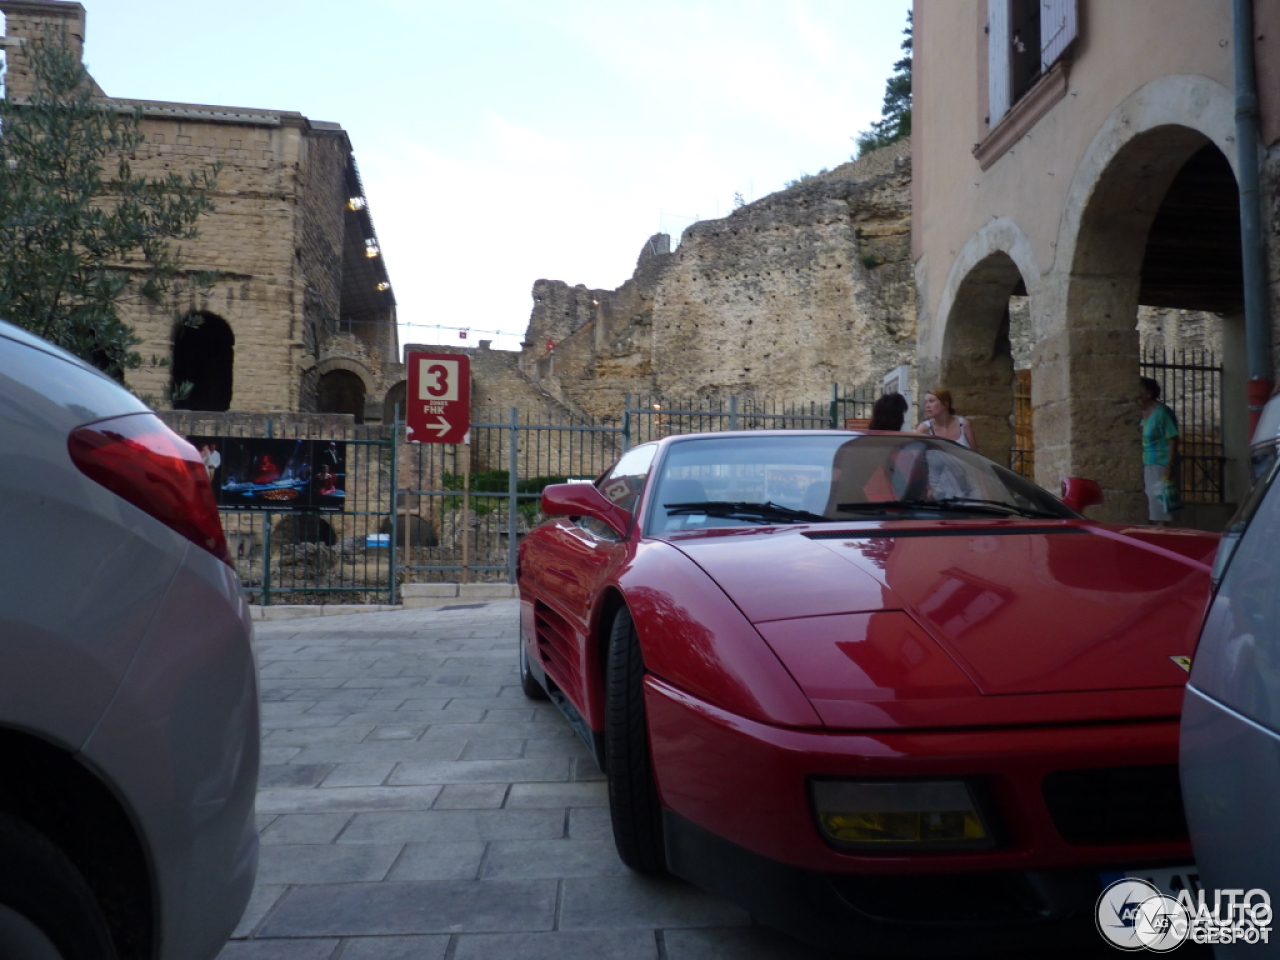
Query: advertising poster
[[252, 473]]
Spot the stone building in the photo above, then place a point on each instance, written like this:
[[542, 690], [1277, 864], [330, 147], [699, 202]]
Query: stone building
[[1084, 154], [302, 315]]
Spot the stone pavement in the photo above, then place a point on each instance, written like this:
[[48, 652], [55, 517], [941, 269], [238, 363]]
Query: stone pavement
[[414, 804]]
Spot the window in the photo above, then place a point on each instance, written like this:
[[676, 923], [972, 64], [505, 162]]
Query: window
[[1025, 38], [625, 481]]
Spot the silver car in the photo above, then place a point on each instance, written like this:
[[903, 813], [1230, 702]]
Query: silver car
[[1230, 748], [128, 685]]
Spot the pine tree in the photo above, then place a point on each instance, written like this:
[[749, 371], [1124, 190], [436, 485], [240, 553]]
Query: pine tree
[[80, 231], [895, 114]]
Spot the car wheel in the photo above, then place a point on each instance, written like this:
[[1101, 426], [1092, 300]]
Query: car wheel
[[47, 911], [633, 793], [528, 683]]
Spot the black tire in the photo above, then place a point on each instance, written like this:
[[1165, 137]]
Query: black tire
[[634, 809], [45, 904], [528, 683]]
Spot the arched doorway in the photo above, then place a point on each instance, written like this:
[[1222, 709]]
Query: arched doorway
[[203, 362], [397, 398], [341, 391], [978, 354], [1159, 231]]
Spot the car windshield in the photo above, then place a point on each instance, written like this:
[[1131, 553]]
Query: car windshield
[[816, 478]]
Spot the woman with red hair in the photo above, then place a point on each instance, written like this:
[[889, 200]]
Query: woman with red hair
[[943, 421]]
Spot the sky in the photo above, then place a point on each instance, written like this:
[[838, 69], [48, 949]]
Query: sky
[[505, 141]]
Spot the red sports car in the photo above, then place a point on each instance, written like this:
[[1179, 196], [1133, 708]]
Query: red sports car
[[870, 686]]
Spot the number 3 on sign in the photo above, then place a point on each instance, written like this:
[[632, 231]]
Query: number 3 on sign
[[438, 380]]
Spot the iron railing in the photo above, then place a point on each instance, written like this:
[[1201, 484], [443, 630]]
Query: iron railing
[[1191, 386]]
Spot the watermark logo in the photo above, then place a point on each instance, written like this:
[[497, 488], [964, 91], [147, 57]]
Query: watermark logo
[[1133, 914]]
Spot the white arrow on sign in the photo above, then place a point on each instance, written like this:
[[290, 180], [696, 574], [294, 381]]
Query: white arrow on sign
[[441, 427]]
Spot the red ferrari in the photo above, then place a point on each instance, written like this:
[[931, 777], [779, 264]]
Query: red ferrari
[[873, 687]]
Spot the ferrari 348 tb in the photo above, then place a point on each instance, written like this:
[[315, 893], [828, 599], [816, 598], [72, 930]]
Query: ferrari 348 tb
[[868, 685]]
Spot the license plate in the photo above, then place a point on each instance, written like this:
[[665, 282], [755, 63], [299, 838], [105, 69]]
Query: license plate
[[1168, 880]]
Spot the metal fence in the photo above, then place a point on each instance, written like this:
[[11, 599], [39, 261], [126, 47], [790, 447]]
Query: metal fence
[[1022, 457], [1191, 385], [345, 557], [466, 507], [647, 418]]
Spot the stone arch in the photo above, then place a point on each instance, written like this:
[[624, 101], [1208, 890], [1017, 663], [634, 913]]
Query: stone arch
[[398, 395], [971, 338], [1088, 421], [304, 528], [203, 363], [341, 387]]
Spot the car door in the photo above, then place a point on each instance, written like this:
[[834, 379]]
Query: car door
[[576, 556]]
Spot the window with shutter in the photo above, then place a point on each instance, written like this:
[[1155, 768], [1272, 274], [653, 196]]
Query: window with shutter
[[1058, 27], [998, 98]]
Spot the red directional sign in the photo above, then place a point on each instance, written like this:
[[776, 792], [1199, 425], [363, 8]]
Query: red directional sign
[[439, 402]]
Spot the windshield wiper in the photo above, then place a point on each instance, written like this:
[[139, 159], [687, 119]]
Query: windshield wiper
[[744, 510], [962, 504], [997, 506]]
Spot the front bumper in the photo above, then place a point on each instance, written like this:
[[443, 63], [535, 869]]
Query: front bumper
[[736, 798]]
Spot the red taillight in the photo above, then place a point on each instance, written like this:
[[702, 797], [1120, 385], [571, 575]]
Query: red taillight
[[140, 459]]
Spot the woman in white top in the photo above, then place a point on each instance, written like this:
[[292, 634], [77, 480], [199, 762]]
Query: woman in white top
[[942, 420]]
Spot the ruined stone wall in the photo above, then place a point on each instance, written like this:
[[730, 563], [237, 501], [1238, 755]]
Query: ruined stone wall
[[806, 287], [606, 356]]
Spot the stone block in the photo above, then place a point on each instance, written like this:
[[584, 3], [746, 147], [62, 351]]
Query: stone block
[[285, 611], [487, 591], [420, 591]]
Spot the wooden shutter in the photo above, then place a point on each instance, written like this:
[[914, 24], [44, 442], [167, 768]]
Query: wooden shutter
[[1058, 27], [997, 60]]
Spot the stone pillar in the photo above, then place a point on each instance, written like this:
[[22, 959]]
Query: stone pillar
[[1101, 368]]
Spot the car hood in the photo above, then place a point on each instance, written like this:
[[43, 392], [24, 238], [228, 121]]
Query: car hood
[[1021, 607]]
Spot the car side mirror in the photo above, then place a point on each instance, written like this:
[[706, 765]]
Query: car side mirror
[[584, 500], [1078, 493]]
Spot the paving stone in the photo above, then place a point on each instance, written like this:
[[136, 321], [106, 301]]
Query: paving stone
[[441, 860], [471, 796], [279, 950], [375, 750], [330, 800], [571, 945], [305, 737], [264, 897], [305, 828], [372, 909], [557, 747], [270, 755], [636, 901], [593, 794], [325, 863], [479, 771], [358, 774], [425, 947], [589, 823], [293, 774], [533, 859], [416, 825], [742, 943], [493, 750]]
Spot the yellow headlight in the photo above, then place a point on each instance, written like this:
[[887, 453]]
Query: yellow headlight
[[880, 814]]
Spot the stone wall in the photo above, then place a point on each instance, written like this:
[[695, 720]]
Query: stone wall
[[803, 288]]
